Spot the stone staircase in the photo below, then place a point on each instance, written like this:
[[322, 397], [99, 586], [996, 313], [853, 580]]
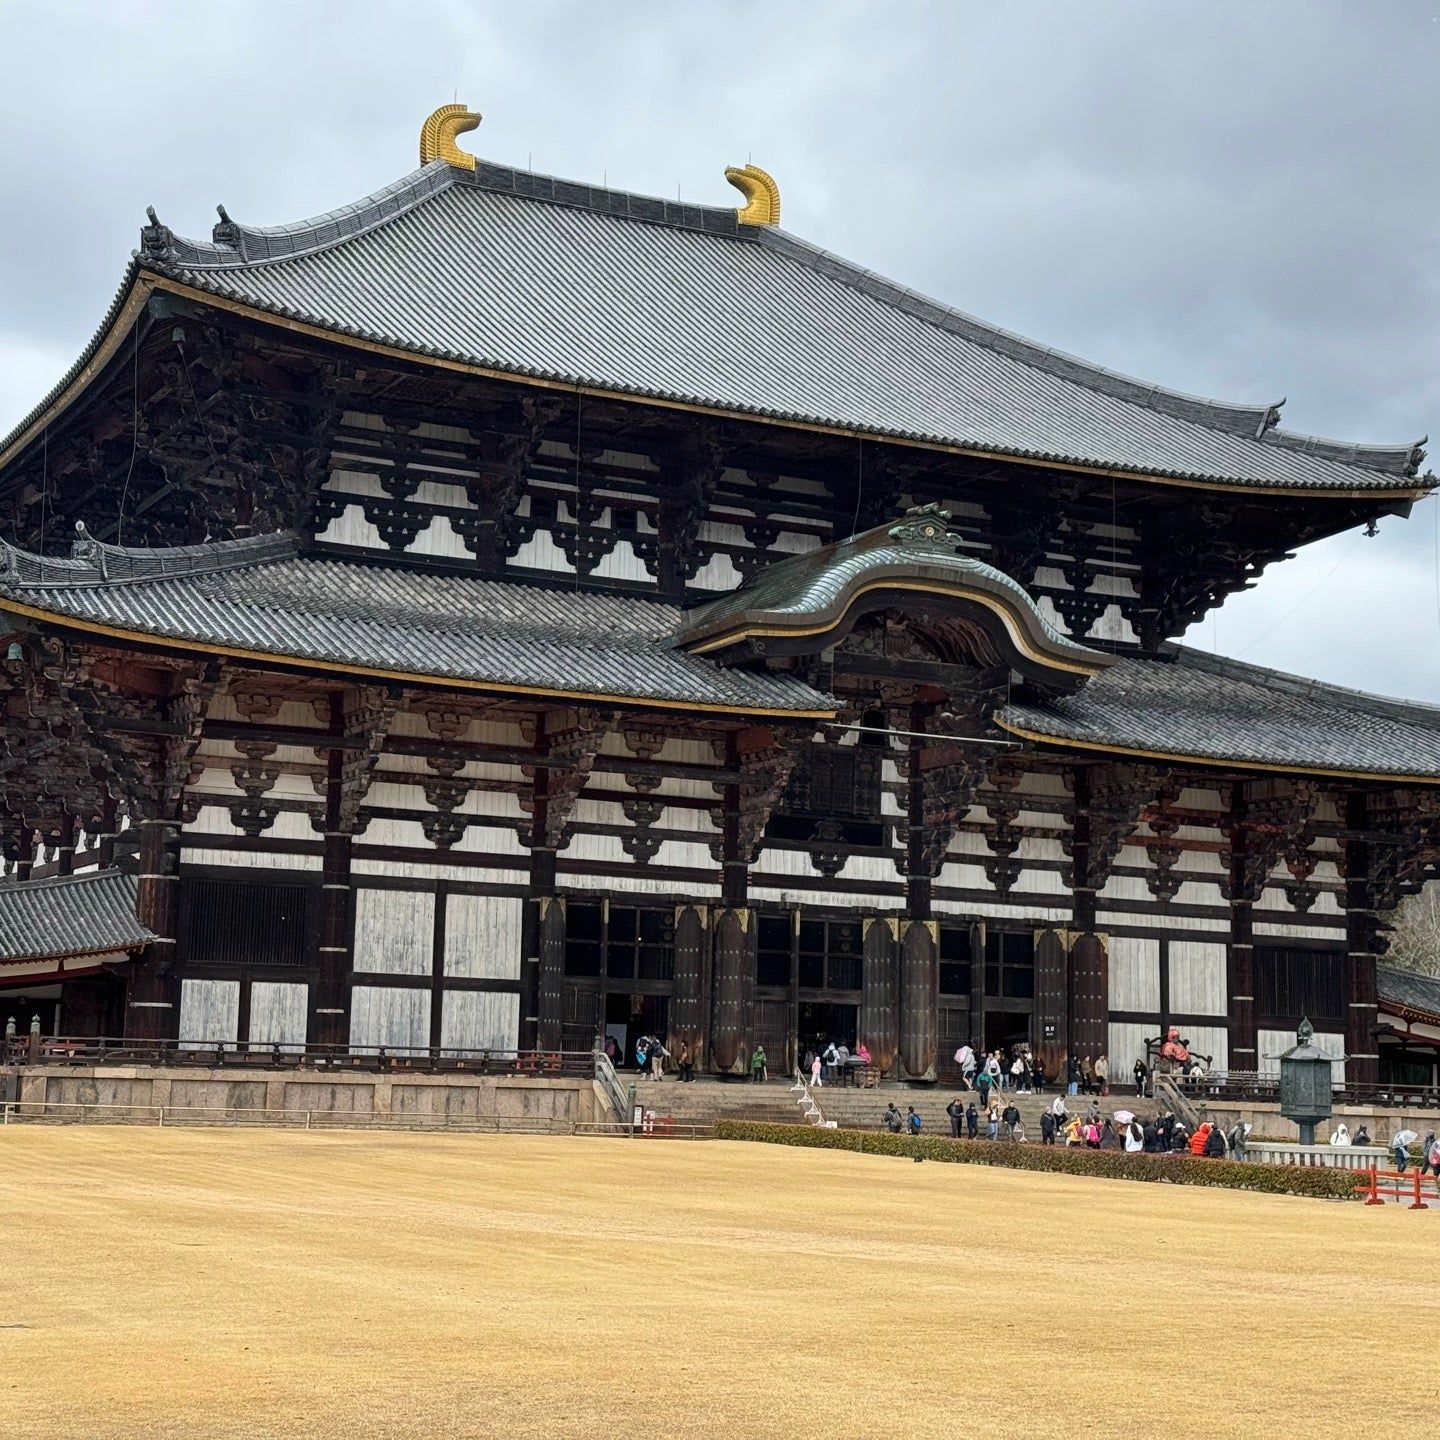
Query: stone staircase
[[704, 1101]]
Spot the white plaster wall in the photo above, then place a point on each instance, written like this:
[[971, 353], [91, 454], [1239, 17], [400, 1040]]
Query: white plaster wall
[[1197, 978], [479, 1020], [278, 1013], [1273, 1043], [1127, 1045], [394, 931], [483, 936], [209, 1011], [1134, 974], [393, 1017]]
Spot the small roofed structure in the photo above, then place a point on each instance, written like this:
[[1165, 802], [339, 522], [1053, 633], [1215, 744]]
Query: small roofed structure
[[63, 931], [1409, 1030]]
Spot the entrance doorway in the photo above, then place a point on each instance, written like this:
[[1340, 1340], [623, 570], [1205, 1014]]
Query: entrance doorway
[[23, 1005], [628, 1017], [823, 1024], [1004, 1029]]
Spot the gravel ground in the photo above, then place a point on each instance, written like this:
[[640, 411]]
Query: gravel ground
[[234, 1283]]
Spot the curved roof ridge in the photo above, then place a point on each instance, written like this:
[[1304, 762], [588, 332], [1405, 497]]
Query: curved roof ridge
[[94, 562], [1291, 684], [1248, 420], [233, 243], [1390, 459]]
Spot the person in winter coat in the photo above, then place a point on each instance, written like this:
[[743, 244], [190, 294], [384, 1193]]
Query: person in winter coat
[[1102, 1075], [816, 1066], [1236, 1140], [1179, 1139], [992, 1124], [1087, 1076], [1198, 1139], [1152, 1144], [913, 1121], [1047, 1128], [972, 1120], [1430, 1155], [1215, 1144], [1010, 1118], [1134, 1138], [982, 1084], [1341, 1135], [956, 1111], [892, 1120], [1109, 1140], [1072, 1076], [758, 1071], [1141, 1076], [1037, 1075]]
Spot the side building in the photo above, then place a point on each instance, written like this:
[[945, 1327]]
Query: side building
[[506, 610]]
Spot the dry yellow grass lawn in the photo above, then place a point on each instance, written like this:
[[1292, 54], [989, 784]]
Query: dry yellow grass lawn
[[240, 1283]]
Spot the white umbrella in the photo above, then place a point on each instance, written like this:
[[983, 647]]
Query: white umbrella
[[1404, 1137], [1124, 1116]]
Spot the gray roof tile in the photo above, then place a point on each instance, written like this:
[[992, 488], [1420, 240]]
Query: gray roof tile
[[1406, 988], [71, 915], [258, 595], [1188, 703], [546, 278]]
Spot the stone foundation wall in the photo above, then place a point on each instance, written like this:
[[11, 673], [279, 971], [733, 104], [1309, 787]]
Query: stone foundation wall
[[441, 1098]]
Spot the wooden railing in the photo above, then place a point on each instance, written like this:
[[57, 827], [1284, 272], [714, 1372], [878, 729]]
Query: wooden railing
[[241, 1054]]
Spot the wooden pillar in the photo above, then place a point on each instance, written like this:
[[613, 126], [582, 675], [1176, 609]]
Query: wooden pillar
[[1052, 1002], [330, 998], [732, 1021], [105, 846], [150, 1002], [1089, 967], [1362, 1064], [919, 997], [550, 971], [690, 998], [880, 996], [919, 1028], [1240, 962], [65, 847]]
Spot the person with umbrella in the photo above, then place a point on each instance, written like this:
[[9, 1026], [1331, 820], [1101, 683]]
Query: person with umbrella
[[1402, 1141]]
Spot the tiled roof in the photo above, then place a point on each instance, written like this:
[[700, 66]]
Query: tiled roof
[[920, 551], [1407, 990], [258, 595], [546, 278], [88, 914], [1187, 703]]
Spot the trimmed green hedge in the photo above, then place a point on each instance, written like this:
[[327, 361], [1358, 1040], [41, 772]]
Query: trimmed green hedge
[[1317, 1181]]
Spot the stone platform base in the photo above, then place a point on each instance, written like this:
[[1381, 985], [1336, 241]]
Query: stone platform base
[[110, 1091]]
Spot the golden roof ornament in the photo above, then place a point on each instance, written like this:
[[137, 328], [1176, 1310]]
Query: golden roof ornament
[[761, 193], [438, 134]]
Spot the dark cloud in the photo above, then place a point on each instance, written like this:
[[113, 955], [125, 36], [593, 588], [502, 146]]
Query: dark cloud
[[1233, 199]]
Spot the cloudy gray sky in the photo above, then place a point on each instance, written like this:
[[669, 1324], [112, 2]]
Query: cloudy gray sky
[[1235, 199]]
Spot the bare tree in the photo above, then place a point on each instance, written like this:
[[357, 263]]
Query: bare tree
[[1415, 937]]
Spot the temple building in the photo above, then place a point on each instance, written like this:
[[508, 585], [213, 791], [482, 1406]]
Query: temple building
[[506, 610]]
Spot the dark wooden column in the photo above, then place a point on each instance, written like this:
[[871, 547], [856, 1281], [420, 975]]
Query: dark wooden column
[[330, 1002], [1052, 1001], [732, 1024], [1089, 968], [919, 997], [1240, 962], [880, 997], [690, 999], [919, 1029], [65, 847], [1362, 1064], [151, 1010], [550, 971]]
